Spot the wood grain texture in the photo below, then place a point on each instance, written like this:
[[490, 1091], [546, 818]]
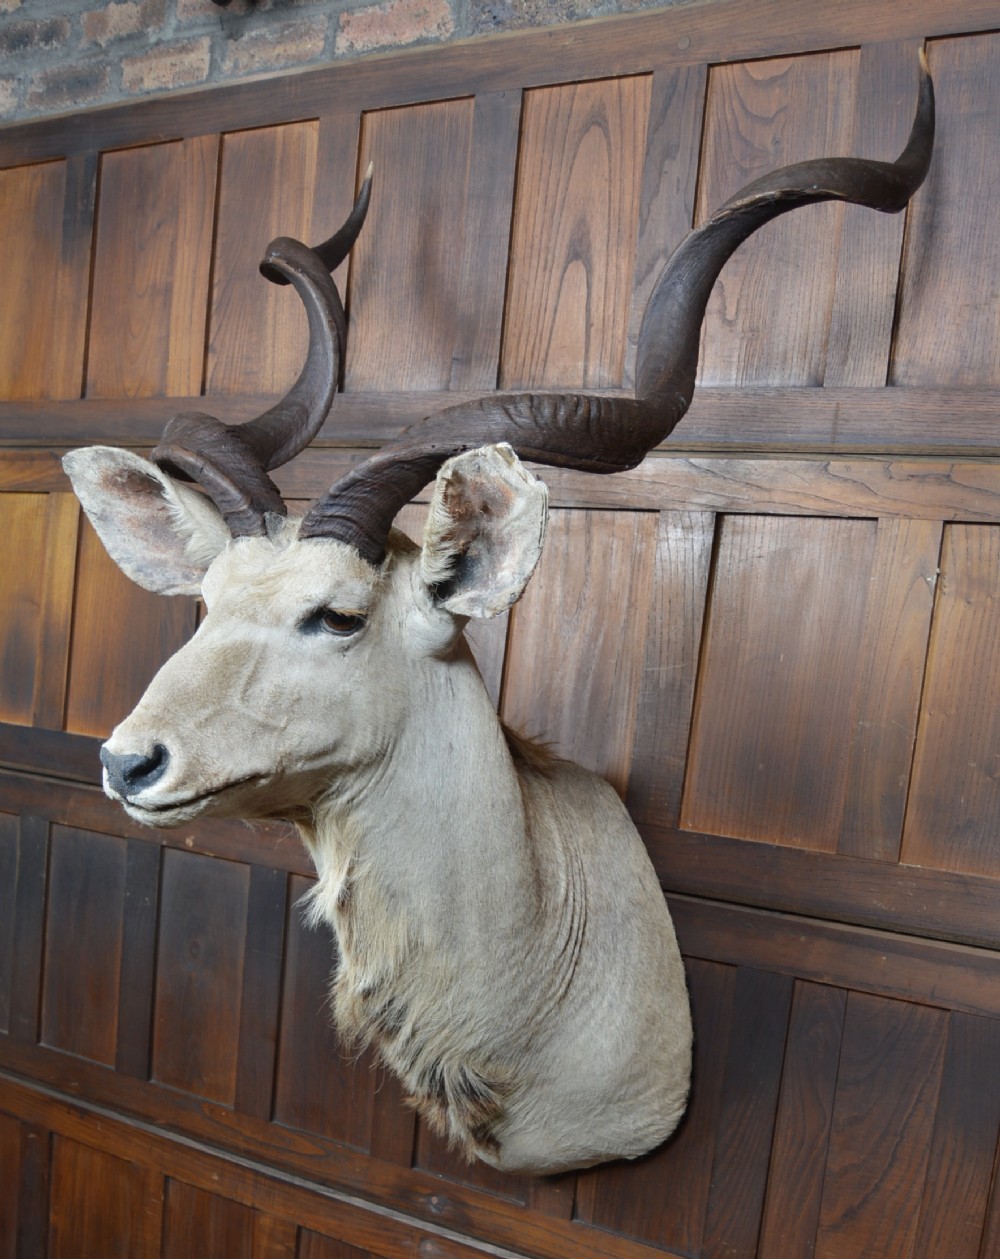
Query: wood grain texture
[[767, 321], [138, 956], [8, 887], [10, 1177], [83, 943], [588, 604], [883, 1116], [58, 573], [802, 1127], [321, 1086], [669, 177], [47, 212], [24, 521], [670, 665], [29, 929], [260, 1006], [101, 1205], [887, 685], [258, 331], [867, 278], [121, 636], [153, 252], [33, 1205], [200, 961], [196, 1222], [773, 716], [954, 801], [407, 268], [576, 216], [947, 325]]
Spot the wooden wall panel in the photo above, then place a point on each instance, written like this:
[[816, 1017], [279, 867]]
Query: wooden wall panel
[[23, 519], [316, 1246], [586, 710], [775, 707], [258, 331], [101, 1205], [8, 888], [406, 319], [954, 802], [200, 959], [768, 317], [83, 943], [575, 226], [200, 1223], [47, 212], [321, 1085], [153, 253], [10, 1178], [948, 330], [121, 636]]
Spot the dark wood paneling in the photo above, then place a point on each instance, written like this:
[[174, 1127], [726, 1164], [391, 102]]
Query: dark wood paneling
[[774, 709], [258, 331], [10, 1178], [138, 954], [261, 1001], [315, 1246], [52, 667], [199, 974], [883, 1116], [200, 1223], [121, 636], [767, 321], [406, 320], [83, 943], [23, 519], [576, 216], [154, 240], [948, 330], [586, 707], [101, 1205], [8, 889], [33, 1205], [322, 1086], [29, 928]]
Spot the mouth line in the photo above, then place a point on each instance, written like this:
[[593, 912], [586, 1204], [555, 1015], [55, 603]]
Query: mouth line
[[174, 805]]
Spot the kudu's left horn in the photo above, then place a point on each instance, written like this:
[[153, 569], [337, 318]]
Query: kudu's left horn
[[601, 434], [231, 461]]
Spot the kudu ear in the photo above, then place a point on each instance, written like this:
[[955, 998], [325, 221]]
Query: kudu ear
[[484, 531], [160, 533]]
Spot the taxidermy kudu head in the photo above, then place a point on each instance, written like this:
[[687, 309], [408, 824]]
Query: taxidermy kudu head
[[503, 939]]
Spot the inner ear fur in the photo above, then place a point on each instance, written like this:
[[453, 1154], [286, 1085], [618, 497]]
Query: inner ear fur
[[484, 531], [160, 533]]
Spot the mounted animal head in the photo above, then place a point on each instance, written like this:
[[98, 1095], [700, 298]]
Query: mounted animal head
[[314, 626]]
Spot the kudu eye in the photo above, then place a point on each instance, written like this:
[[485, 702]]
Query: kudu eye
[[330, 621]]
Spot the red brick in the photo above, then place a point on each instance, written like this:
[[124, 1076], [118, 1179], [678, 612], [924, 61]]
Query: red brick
[[168, 65], [29, 36], [101, 26], [67, 87], [293, 43], [394, 24]]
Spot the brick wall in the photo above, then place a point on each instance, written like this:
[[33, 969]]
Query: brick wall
[[61, 55]]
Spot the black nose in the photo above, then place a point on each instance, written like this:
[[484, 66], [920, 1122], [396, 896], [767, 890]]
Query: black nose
[[128, 775]]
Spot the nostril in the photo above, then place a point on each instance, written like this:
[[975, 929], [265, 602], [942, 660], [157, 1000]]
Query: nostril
[[135, 772]]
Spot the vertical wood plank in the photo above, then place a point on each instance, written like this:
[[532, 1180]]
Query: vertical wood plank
[[320, 1086], [261, 1003], [29, 928], [273, 1238], [588, 603], [670, 666], [954, 803], [805, 1116], [121, 636], [33, 1200], [864, 299], [761, 1007], [773, 716], [888, 685], [489, 204], [153, 252], [23, 519], [883, 1117], [669, 179], [576, 219], [61, 539], [8, 890], [196, 1222], [47, 212], [258, 331], [316, 1246], [952, 253], [83, 943], [662, 1199], [199, 978], [135, 987], [394, 1124], [101, 1205], [337, 144], [767, 320], [10, 1178], [433, 1155], [960, 1167], [407, 271]]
